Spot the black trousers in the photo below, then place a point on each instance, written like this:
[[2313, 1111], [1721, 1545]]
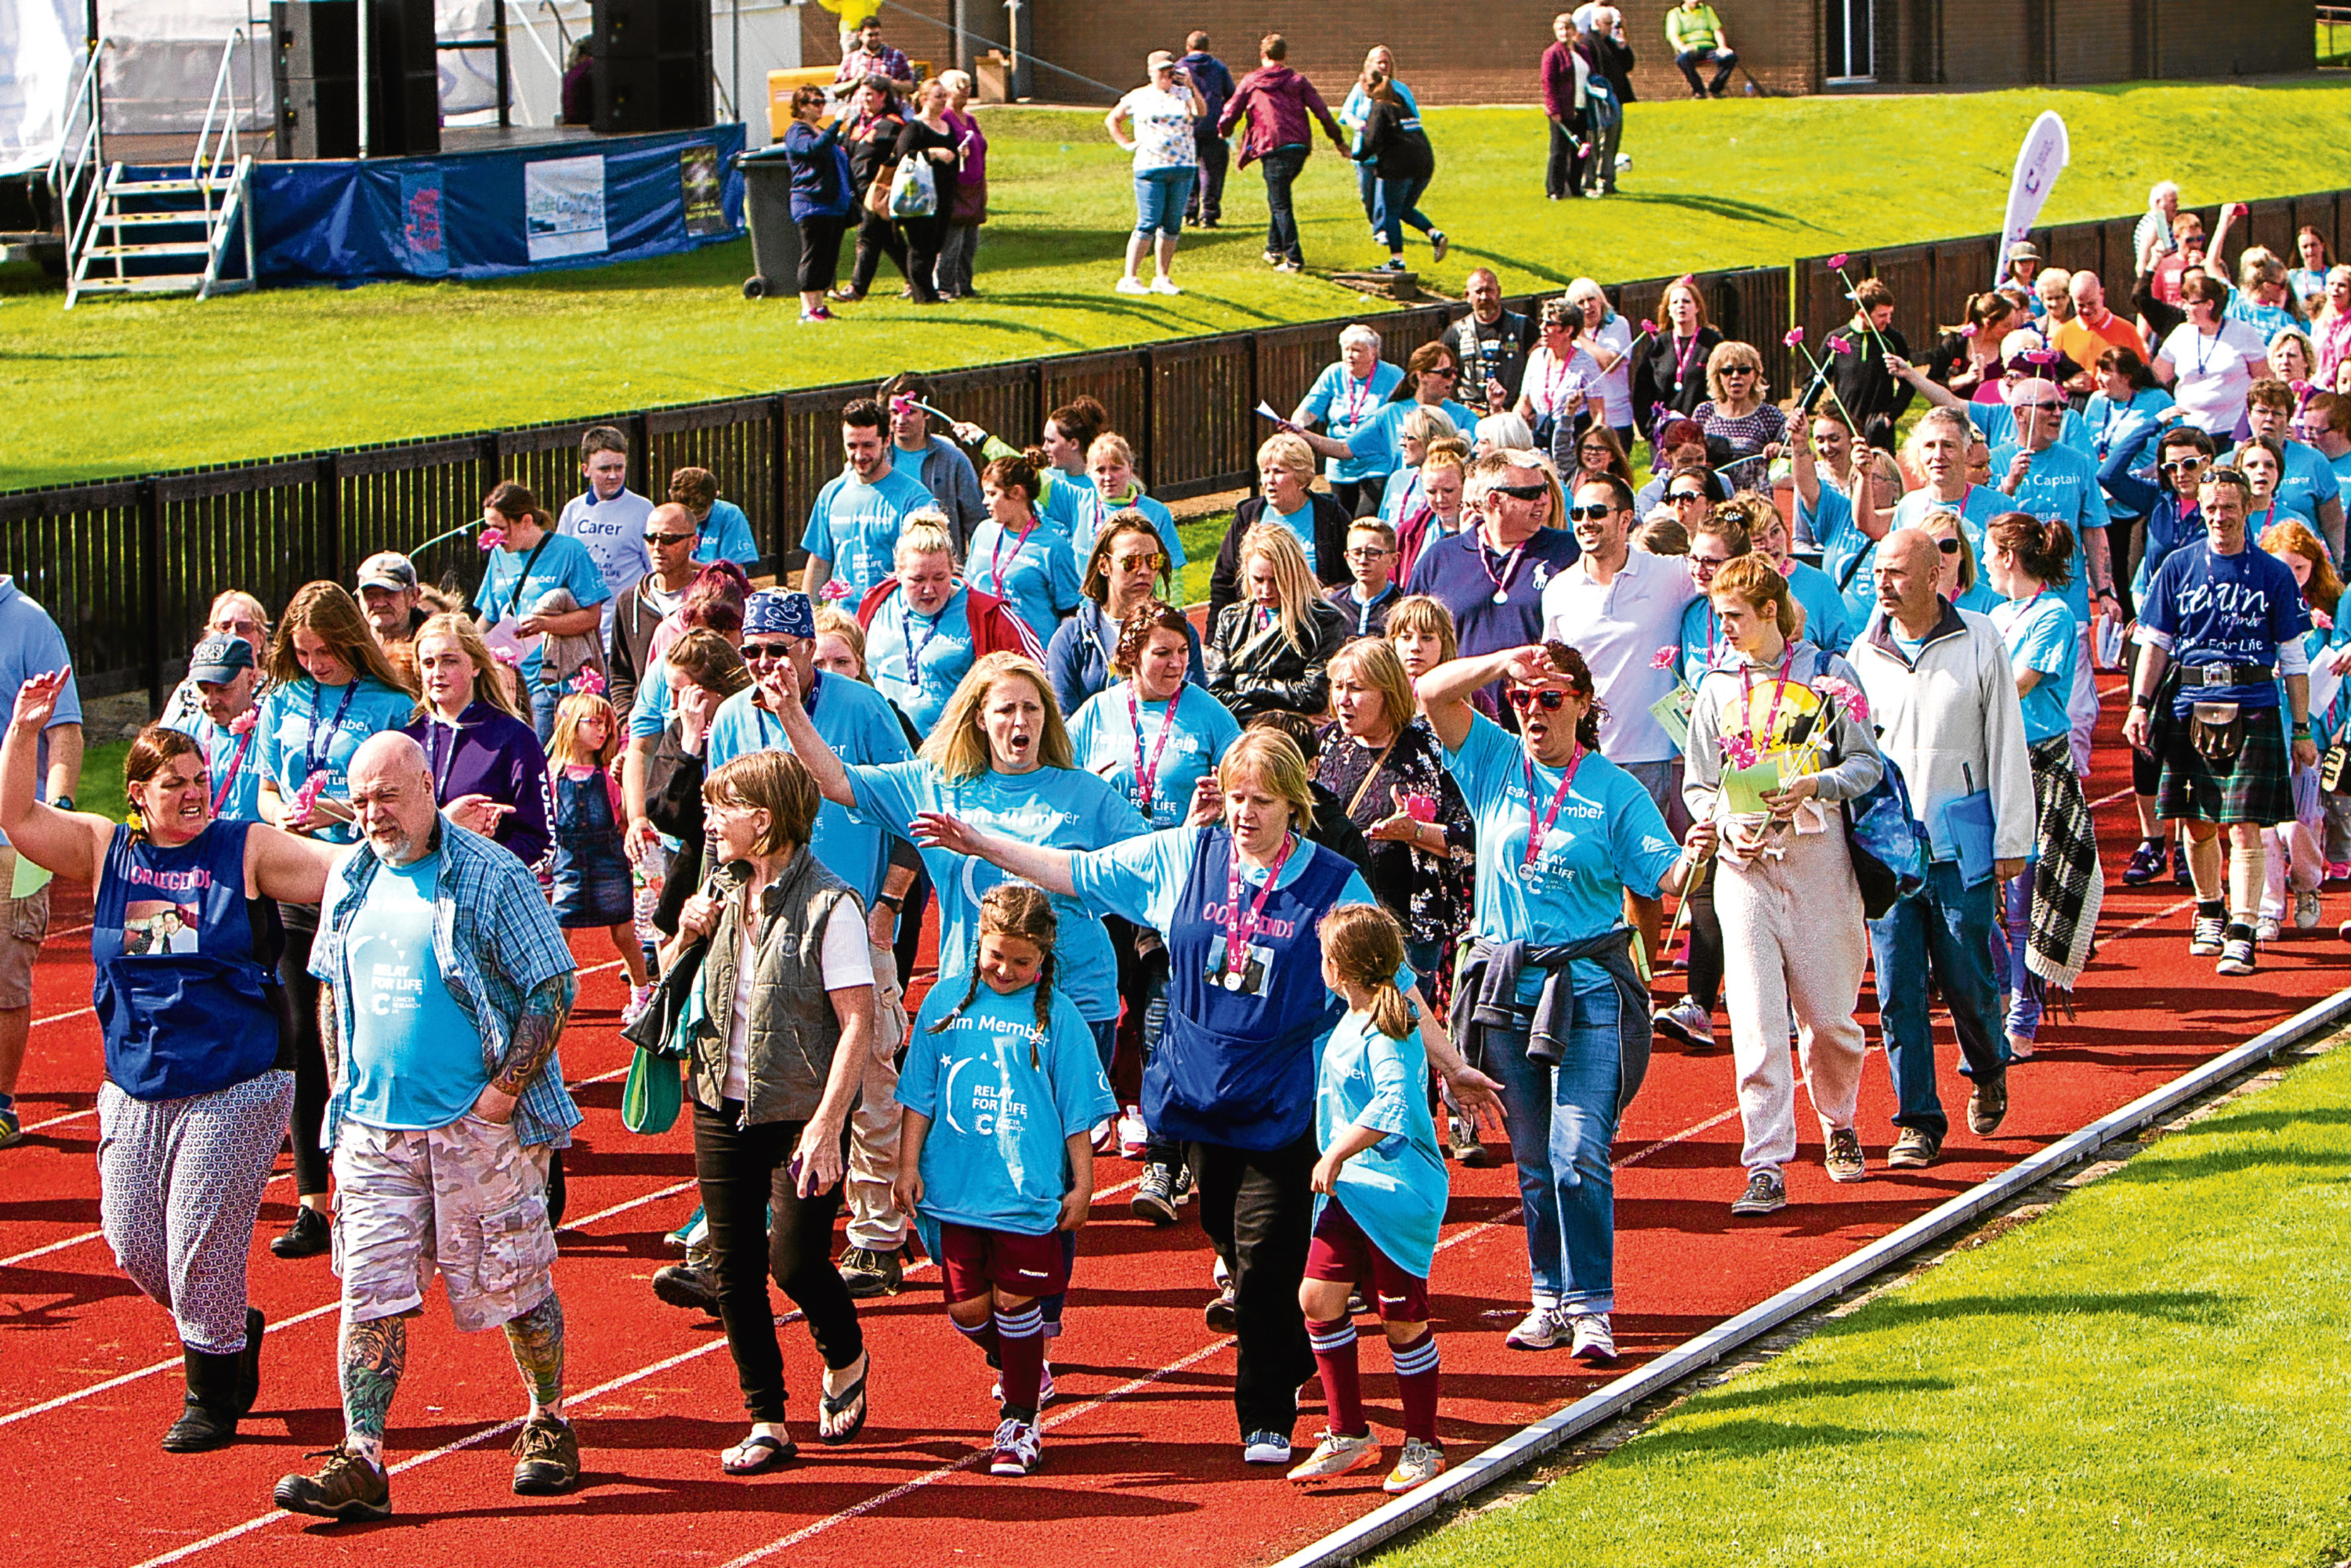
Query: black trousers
[[742, 1172], [1563, 174], [819, 265], [925, 238], [313, 1165], [876, 237], [1258, 1206], [1360, 497], [1216, 155]]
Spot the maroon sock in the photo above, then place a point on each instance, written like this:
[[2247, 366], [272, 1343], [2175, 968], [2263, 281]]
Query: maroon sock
[[1343, 1390], [983, 1335], [1415, 1370], [1020, 1341]]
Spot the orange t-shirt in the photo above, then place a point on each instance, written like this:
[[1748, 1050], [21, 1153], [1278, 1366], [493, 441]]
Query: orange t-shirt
[[2082, 344]]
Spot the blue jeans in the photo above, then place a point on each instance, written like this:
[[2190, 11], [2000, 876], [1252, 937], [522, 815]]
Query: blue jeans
[[1561, 1121], [1281, 167], [1399, 205], [543, 701], [1105, 1040], [1160, 195], [1942, 932], [1367, 184], [1725, 61], [2023, 1011]]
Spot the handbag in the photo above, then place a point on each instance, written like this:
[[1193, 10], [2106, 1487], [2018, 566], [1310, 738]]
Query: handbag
[[654, 1092], [2217, 730], [877, 195], [913, 190], [970, 208], [1881, 834]]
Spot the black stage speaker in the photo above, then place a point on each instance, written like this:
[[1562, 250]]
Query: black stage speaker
[[316, 65], [651, 65]]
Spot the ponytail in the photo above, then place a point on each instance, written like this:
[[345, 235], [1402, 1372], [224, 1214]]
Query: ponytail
[[1363, 944], [1391, 1014]]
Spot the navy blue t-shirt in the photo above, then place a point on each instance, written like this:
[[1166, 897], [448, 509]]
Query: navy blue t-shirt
[[2225, 610]]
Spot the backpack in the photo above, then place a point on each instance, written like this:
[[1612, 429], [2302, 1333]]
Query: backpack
[[1889, 857]]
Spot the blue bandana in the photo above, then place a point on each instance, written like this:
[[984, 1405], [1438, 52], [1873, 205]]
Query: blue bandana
[[776, 612]]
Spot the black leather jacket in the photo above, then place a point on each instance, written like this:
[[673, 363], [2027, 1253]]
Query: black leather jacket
[[1252, 670]]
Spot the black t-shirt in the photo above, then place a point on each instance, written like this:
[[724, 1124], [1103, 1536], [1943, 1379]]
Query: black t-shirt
[[873, 147]]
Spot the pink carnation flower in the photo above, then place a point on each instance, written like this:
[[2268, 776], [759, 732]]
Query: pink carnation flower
[[1968, 329], [2320, 618], [1649, 329], [243, 723], [1663, 659], [589, 681], [1794, 338], [1836, 262], [507, 656], [1738, 750], [307, 796], [1840, 344], [2040, 356], [491, 538], [834, 590], [2299, 388], [1840, 690], [1420, 808]]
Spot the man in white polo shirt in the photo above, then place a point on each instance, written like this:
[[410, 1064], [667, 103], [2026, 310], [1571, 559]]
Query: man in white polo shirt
[[1617, 606], [608, 517]]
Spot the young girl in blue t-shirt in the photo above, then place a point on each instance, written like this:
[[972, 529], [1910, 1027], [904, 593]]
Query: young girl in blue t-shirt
[[1380, 1191], [1002, 1090]]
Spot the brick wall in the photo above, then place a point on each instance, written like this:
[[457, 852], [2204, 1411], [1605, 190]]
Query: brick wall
[[2243, 39]]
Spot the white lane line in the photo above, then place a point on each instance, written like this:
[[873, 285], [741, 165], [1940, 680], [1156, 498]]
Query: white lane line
[[2165, 914], [32, 1410]]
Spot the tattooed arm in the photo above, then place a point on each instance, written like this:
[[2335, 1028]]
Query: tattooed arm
[[534, 1034], [331, 1034]]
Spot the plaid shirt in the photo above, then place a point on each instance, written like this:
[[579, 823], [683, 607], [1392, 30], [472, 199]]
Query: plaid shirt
[[857, 64], [495, 942]]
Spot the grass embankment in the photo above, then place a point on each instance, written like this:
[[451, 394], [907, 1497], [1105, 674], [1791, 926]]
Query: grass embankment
[[2151, 1371], [133, 387]]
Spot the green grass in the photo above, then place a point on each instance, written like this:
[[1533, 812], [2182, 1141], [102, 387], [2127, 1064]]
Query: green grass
[[101, 780], [133, 387], [2151, 1372]]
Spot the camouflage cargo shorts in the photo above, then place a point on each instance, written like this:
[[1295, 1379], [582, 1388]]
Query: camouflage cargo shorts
[[467, 1198]]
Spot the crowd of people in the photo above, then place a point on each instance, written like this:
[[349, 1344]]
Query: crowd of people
[[1370, 869]]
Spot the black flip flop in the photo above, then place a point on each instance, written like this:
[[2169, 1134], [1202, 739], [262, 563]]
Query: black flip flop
[[829, 1407], [769, 1454]]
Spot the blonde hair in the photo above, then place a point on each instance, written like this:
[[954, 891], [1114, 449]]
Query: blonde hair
[[1420, 612], [1016, 909], [1293, 579], [832, 618], [238, 596], [563, 747], [1425, 424], [1755, 582], [1727, 354], [1273, 760], [1938, 517], [924, 532], [1283, 450], [957, 744], [1363, 946], [1374, 662], [1111, 443], [489, 678]]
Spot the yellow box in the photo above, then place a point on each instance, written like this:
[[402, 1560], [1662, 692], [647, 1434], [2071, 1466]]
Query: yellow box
[[782, 84]]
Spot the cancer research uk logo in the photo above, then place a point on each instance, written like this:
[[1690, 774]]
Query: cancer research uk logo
[[563, 207]]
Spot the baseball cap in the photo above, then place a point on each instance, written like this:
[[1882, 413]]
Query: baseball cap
[[1158, 58], [388, 569], [218, 659], [2024, 250]]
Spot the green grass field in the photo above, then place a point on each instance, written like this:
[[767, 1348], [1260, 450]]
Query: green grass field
[[131, 387], [2150, 1373]]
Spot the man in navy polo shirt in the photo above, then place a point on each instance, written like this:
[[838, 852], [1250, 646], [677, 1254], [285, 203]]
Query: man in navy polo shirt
[[1492, 577]]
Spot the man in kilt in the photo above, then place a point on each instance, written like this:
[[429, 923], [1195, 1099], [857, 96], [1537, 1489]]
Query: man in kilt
[[2219, 635]]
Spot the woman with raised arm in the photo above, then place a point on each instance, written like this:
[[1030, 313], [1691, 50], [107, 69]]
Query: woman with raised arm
[[1233, 1079], [1564, 836], [184, 940]]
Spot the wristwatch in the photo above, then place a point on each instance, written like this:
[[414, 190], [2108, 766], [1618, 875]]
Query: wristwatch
[[2140, 699], [897, 905], [62, 803]]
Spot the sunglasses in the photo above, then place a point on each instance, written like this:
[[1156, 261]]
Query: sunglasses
[[1679, 496], [1521, 492], [1948, 547], [1447, 372], [752, 651], [2182, 464], [1152, 563], [2228, 475], [1591, 514], [1739, 370], [1548, 701], [667, 538]]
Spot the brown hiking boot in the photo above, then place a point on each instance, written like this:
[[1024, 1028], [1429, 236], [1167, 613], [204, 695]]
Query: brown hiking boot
[[547, 1457], [347, 1487]]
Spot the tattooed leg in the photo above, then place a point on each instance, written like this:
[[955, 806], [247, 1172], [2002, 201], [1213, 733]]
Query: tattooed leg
[[536, 1340], [374, 1354]]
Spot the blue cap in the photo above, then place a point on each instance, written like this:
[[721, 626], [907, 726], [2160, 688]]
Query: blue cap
[[780, 612], [218, 659]]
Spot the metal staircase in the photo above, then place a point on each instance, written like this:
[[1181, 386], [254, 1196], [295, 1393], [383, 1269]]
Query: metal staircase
[[159, 231]]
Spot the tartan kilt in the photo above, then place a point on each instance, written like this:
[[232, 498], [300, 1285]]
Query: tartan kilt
[[2256, 788]]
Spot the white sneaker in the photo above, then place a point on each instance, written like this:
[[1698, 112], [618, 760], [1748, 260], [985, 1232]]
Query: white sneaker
[[1019, 1449], [1686, 1024], [1044, 1388], [1421, 1464], [2266, 929], [1265, 1448], [1132, 285], [1543, 1328], [640, 999], [1162, 284], [1133, 1137], [1337, 1454], [1595, 1342]]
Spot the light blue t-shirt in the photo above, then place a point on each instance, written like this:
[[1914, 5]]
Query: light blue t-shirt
[[1104, 735], [2268, 320], [1381, 437], [650, 710], [2043, 635], [1845, 550], [505, 594], [1072, 505], [725, 535], [1343, 403], [918, 661], [1161, 518], [1397, 1189], [415, 1056], [855, 720], [1827, 623], [614, 532], [1976, 509], [1608, 836], [2342, 470], [2308, 483], [1003, 1103], [2064, 485], [1036, 573], [1054, 808], [232, 763], [855, 526], [1996, 423], [306, 727], [1301, 524]]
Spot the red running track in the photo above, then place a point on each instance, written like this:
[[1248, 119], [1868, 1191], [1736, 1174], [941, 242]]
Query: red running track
[[1143, 1433]]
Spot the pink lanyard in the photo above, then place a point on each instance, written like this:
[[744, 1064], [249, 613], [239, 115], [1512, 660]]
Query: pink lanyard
[[1358, 401], [236, 765], [1147, 774], [1240, 928], [1779, 690], [1682, 358], [1539, 824], [996, 554], [1554, 374]]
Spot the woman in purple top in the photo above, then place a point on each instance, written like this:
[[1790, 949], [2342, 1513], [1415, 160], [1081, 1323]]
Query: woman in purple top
[[970, 209], [489, 772]]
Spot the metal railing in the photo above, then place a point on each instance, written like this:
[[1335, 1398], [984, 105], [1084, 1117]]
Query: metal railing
[[77, 174]]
